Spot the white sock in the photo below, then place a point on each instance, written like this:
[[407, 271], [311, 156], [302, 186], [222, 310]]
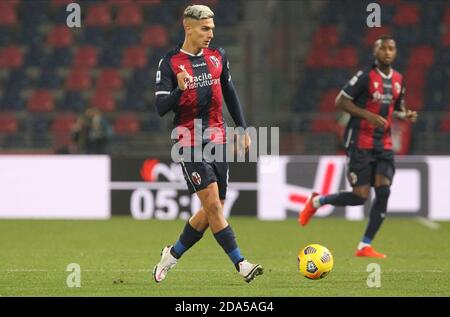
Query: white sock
[[362, 245], [316, 202]]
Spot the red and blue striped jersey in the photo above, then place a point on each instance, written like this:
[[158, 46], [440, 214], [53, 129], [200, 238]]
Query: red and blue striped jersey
[[378, 93], [203, 97]]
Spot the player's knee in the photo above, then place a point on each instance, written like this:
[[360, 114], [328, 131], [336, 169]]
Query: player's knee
[[383, 192], [360, 199], [213, 207]]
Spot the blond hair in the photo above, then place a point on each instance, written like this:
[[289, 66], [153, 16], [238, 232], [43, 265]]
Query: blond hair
[[198, 12]]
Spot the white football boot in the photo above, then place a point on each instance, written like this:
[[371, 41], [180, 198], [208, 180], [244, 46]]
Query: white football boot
[[249, 271], [165, 264]]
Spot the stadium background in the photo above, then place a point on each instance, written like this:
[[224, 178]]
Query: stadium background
[[289, 59]]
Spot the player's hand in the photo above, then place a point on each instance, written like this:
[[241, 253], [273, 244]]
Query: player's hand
[[183, 78], [247, 142], [376, 120], [243, 143], [411, 116]]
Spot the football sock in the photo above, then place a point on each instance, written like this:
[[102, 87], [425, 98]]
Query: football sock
[[342, 199], [377, 212], [362, 245], [187, 239], [227, 241]]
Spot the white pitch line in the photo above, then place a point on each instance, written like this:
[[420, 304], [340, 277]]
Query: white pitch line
[[428, 223]]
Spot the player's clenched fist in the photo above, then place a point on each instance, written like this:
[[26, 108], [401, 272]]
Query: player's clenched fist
[[411, 116], [183, 78]]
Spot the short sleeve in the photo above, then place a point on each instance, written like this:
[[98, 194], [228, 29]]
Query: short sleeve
[[165, 81], [225, 77], [358, 85]]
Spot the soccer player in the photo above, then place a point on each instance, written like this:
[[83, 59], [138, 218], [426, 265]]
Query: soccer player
[[191, 81], [372, 98]]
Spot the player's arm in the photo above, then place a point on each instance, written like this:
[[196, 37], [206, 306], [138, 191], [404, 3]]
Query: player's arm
[[353, 89], [232, 100], [231, 97], [167, 92], [400, 111]]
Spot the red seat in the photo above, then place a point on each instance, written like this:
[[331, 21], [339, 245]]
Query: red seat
[[98, 14], [324, 124], [414, 99], [422, 56], [109, 78], [129, 15], [319, 57], [118, 2], [103, 100], [326, 36], [327, 102], [389, 2], [78, 79], [134, 57], [445, 125], [11, 57], [155, 36], [41, 101], [346, 57], [9, 3], [407, 14], [60, 36], [127, 124], [64, 124], [86, 56], [8, 123], [446, 36], [62, 128], [374, 33], [8, 15], [148, 2], [416, 77], [446, 20]]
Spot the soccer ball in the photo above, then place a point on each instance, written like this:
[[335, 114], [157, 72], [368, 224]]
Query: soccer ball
[[315, 261]]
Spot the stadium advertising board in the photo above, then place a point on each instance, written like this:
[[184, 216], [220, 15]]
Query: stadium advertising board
[[421, 187], [154, 188], [55, 187]]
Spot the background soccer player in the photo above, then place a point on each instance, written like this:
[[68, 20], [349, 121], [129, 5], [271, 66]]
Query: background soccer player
[[371, 97], [191, 81]]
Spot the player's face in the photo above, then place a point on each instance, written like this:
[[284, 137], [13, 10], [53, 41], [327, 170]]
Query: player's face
[[385, 52], [201, 32]]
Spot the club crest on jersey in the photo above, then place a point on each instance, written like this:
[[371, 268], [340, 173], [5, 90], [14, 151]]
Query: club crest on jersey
[[215, 61], [196, 178]]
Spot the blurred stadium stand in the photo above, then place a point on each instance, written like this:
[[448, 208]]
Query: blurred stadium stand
[[287, 67]]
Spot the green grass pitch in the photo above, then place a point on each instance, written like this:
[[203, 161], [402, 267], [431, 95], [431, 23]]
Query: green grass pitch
[[116, 258]]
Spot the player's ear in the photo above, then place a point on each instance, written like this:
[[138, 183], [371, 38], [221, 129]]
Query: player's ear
[[187, 24]]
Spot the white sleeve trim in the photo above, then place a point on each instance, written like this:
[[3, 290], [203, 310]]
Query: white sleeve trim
[[347, 95], [162, 93]]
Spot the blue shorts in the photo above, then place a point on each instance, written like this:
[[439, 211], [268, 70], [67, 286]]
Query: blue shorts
[[363, 165], [201, 174]]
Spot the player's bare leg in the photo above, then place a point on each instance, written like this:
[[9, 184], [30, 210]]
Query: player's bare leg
[[377, 215], [199, 220], [223, 233]]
